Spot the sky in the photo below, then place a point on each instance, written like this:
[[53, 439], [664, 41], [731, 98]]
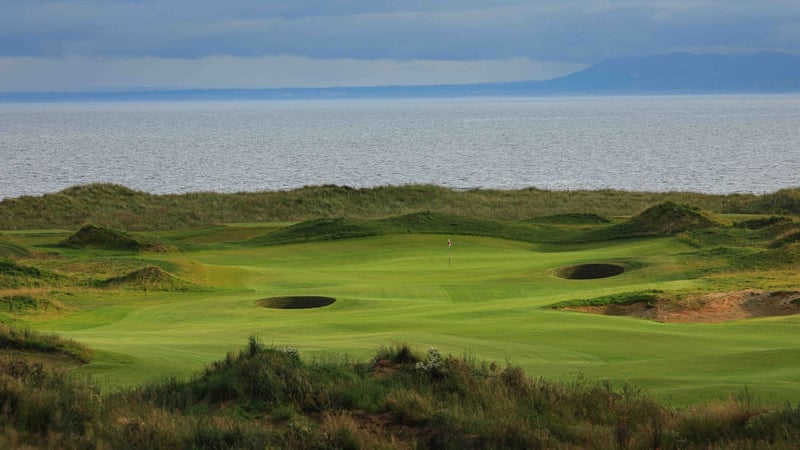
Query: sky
[[101, 45]]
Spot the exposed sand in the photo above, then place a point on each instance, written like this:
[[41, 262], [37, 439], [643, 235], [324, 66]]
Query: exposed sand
[[708, 308]]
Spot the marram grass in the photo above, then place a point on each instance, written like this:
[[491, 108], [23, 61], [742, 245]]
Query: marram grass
[[119, 207]]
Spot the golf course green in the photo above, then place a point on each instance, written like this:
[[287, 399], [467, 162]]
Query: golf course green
[[165, 310]]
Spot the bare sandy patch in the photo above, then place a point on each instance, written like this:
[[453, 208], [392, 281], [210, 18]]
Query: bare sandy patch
[[707, 308]]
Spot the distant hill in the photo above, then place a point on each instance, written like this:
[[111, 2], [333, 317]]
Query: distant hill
[[675, 73], [683, 72]]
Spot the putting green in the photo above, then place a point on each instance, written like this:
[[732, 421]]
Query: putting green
[[484, 297]]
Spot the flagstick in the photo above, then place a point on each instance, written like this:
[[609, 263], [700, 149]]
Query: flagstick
[[449, 259]]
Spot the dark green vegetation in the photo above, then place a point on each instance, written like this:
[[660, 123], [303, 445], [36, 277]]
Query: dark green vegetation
[[625, 298], [663, 219], [147, 278], [264, 264], [91, 236], [268, 397], [27, 340], [122, 208], [15, 275]]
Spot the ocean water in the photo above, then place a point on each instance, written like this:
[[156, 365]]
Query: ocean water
[[711, 144]]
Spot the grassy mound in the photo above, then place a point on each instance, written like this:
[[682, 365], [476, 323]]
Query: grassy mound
[[664, 219], [422, 222], [9, 249], [783, 253], [572, 219], [13, 275], [92, 236], [590, 271], [296, 302], [148, 278], [791, 237], [22, 303], [31, 341], [668, 218], [318, 230], [11, 268], [762, 222]]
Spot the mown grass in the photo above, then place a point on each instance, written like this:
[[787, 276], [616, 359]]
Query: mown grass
[[487, 301], [271, 397], [119, 207]]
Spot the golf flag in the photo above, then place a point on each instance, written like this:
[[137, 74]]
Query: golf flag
[[449, 260]]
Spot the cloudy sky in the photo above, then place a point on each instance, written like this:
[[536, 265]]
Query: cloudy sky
[[77, 45]]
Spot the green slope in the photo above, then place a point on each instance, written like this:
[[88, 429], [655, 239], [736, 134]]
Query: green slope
[[486, 298]]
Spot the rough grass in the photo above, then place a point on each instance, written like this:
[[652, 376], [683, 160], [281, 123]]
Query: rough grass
[[664, 219], [784, 255], [12, 250], [92, 236], [270, 397], [572, 219], [423, 222], [15, 275], [22, 303], [122, 208], [790, 237], [713, 307], [32, 341], [148, 278], [762, 222], [648, 297]]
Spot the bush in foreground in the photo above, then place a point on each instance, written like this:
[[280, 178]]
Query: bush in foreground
[[268, 397]]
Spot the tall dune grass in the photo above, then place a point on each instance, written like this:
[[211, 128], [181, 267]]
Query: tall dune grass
[[119, 207]]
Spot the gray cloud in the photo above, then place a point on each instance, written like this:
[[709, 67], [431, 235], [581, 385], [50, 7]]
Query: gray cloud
[[581, 30], [573, 32]]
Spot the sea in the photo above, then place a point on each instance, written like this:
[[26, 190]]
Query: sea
[[701, 143]]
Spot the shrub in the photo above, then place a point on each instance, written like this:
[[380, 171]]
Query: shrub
[[29, 340], [398, 354], [265, 397]]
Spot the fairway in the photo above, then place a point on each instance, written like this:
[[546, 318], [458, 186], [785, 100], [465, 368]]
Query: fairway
[[485, 298]]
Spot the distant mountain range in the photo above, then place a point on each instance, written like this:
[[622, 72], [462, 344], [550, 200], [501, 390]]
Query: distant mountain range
[[675, 73], [683, 72]]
